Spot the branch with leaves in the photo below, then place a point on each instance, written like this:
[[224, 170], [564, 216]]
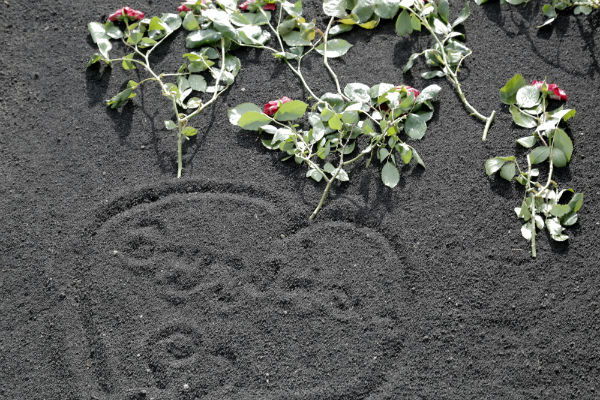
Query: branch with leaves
[[551, 10], [342, 128], [140, 36], [544, 205], [448, 51]]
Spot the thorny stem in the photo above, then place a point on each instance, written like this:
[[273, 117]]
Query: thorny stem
[[453, 79]]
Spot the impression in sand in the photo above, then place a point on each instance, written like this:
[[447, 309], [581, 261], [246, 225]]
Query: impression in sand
[[211, 294]]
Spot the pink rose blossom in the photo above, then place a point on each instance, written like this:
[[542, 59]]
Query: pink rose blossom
[[272, 106], [555, 92], [409, 89], [126, 12]]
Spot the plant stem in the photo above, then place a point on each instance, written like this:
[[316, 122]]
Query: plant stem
[[453, 79], [324, 195], [326, 61], [527, 189]]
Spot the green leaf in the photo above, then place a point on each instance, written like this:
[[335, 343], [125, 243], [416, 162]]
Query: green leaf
[[291, 110], [563, 142], [97, 31], [403, 24], [236, 112], [522, 119], [170, 125], [357, 92], [527, 141], [444, 10], [294, 38], [335, 8], [508, 94], [569, 219], [220, 22], [253, 120], [554, 227], [113, 31], [96, 57], [559, 158], [462, 16], [429, 93], [528, 96], [104, 46], [147, 42], [197, 82], [508, 171], [335, 48], [405, 153], [493, 165], [410, 62], [335, 122], [576, 202], [390, 175], [202, 38], [122, 97], [314, 174], [433, 74], [414, 126], [254, 35], [190, 23], [549, 11], [387, 9], [559, 210], [172, 21], [350, 117], [339, 29], [127, 64], [539, 154], [418, 158], [190, 131], [526, 231], [342, 176], [293, 9], [156, 24]]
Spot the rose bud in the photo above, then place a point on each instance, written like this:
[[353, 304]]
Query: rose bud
[[272, 106], [245, 4], [126, 12], [554, 91], [183, 8]]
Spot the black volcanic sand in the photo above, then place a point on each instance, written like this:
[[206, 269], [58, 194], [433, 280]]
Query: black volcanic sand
[[121, 282]]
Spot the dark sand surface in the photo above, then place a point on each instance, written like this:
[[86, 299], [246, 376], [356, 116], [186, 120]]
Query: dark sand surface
[[120, 282]]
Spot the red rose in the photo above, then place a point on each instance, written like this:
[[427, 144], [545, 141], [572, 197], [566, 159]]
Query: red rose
[[183, 8], [409, 89], [272, 106], [126, 12], [555, 92], [245, 4]]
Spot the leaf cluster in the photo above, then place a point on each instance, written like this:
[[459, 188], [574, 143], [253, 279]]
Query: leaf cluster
[[551, 10], [367, 121], [544, 205]]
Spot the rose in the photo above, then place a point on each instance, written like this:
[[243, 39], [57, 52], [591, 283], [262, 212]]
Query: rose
[[272, 106], [409, 90], [126, 12], [555, 92], [245, 4]]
